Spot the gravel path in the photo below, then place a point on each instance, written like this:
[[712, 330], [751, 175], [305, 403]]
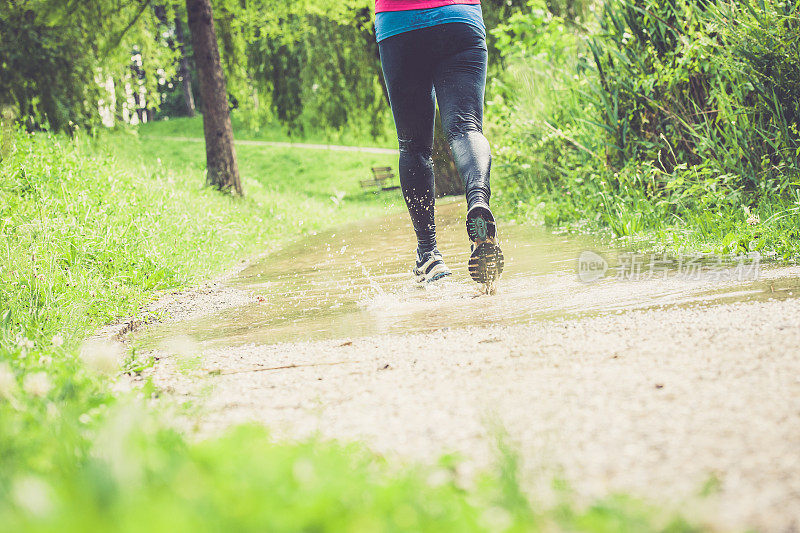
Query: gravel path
[[662, 403]]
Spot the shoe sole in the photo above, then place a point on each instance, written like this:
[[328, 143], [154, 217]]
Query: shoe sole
[[486, 262], [438, 272], [439, 276], [480, 228]]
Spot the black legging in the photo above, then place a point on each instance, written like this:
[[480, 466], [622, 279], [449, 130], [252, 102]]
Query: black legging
[[444, 64]]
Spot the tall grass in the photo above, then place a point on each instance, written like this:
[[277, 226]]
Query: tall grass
[[87, 234], [660, 115]]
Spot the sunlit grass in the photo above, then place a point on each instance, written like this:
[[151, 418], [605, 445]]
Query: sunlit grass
[[92, 229], [89, 231]]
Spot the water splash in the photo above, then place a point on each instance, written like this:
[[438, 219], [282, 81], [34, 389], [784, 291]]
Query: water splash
[[356, 281]]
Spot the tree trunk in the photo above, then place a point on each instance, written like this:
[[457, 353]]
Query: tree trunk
[[448, 182], [222, 170], [183, 69]]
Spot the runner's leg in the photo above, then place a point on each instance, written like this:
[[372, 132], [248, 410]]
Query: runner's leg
[[409, 80], [460, 81]]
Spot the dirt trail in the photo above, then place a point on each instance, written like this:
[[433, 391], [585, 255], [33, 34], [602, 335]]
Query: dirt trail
[[663, 402]]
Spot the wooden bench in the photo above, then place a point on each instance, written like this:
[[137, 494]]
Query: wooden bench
[[380, 177]]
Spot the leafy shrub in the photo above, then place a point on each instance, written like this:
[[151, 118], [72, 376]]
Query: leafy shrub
[[652, 112]]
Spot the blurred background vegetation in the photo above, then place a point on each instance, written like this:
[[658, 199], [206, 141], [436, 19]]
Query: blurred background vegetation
[[307, 65]]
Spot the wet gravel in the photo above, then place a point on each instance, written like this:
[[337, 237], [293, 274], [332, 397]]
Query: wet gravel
[[696, 408]]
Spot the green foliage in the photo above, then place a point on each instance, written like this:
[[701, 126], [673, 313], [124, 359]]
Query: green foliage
[[35, 79], [762, 51], [89, 233], [658, 114], [310, 66], [138, 476], [86, 236], [321, 71], [241, 481], [54, 56]]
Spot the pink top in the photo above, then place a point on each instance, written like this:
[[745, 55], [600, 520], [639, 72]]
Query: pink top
[[405, 5]]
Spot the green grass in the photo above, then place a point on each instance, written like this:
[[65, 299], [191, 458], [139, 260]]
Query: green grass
[[602, 125], [770, 227], [90, 230], [244, 130]]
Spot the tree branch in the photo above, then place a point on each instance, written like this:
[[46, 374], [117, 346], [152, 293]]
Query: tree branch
[[145, 4]]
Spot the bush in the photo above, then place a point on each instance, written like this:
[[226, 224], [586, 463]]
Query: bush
[[653, 113]]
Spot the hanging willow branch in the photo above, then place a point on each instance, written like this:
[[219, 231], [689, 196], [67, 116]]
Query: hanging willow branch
[[118, 39]]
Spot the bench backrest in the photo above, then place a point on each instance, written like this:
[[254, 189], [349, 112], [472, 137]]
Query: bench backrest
[[382, 173]]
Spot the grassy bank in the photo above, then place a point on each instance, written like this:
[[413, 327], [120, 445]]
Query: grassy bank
[[670, 122], [90, 230]]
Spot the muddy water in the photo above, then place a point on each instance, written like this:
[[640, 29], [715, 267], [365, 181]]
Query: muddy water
[[356, 281]]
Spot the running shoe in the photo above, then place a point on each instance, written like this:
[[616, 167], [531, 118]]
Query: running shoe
[[486, 261], [430, 267]]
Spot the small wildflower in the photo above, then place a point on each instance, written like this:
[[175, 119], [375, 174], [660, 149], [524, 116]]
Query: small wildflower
[[57, 341], [37, 384], [45, 360], [102, 357], [303, 471], [122, 386], [25, 343], [496, 519], [438, 477], [33, 495], [8, 383], [753, 220]]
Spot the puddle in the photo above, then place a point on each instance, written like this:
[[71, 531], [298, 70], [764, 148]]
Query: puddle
[[356, 281]]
